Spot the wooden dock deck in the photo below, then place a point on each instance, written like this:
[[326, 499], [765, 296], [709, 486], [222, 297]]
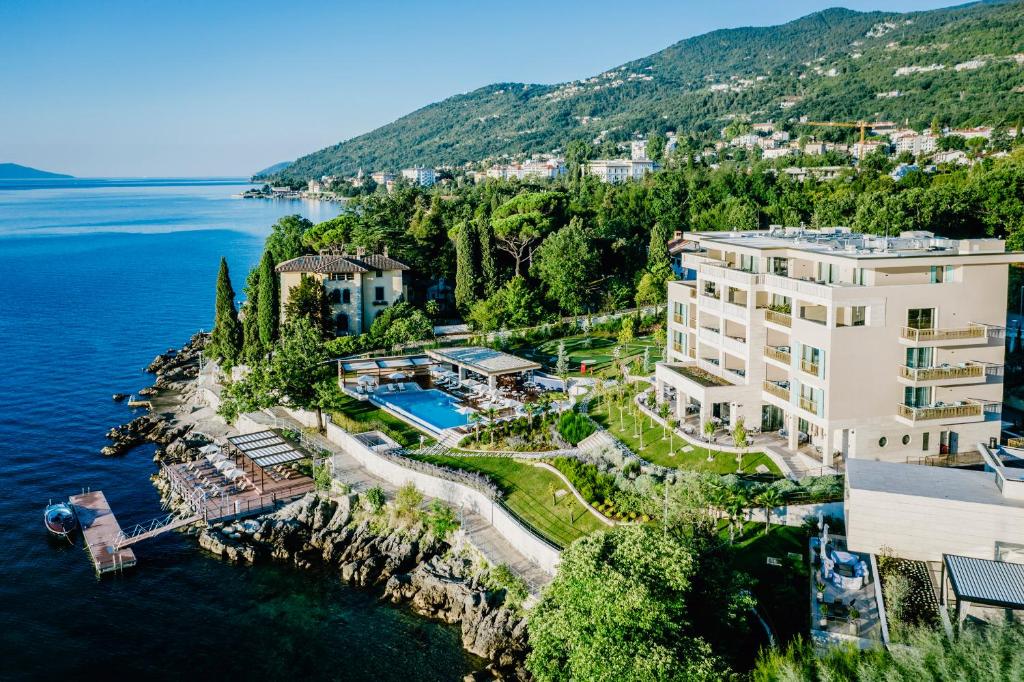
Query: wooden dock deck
[[100, 530]]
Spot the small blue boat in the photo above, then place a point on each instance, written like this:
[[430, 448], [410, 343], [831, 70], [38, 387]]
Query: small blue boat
[[60, 519]]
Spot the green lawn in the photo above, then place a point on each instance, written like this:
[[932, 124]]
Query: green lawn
[[352, 414], [598, 356], [781, 591], [656, 447], [527, 493]]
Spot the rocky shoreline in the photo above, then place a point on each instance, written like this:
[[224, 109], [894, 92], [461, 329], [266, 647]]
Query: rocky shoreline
[[176, 371], [440, 580]]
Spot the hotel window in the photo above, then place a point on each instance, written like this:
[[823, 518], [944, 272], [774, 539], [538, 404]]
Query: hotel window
[[917, 397], [919, 357], [924, 441], [379, 273], [858, 276], [941, 273], [921, 318], [748, 263], [378, 294], [828, 273], [346, 295], [858, 315], [812, 360], [778, 266], [682, 314]]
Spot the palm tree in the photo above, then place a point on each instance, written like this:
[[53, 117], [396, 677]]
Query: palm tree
[[491, 413], [736, 506], [709, 432], [475, 417], [769, 499], [664, 411], [740, 440]]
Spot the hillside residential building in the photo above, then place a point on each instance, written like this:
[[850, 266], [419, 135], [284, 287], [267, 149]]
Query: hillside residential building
[[868, 347], [358, 286], [638, 150], [916, 144], [550, 169], [424, 177], [618, 170], [382, 178]]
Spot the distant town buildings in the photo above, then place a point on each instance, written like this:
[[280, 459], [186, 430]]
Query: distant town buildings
[[549, 169], [424, 177], [618, 170]]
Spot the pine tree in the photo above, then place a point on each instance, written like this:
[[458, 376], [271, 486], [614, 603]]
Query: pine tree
[[266, 312], [465, 266], [226, 338]]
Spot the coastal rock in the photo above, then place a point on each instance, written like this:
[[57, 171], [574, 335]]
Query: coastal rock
[[119, 397]]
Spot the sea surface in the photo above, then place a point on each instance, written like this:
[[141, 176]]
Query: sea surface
[[96, 278]]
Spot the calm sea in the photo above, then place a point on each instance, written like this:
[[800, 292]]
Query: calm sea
[[97, 277]]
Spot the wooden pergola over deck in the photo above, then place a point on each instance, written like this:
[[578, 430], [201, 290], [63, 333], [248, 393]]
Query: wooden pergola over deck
[[262, 450], [486, 362]]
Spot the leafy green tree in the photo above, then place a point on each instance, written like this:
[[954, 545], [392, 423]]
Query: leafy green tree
[[308, 301], [562, 363], [618, 610], [400, 324], [285, 239], [565, 263], [627, 331], [267, 301], [513, 306], [300, 366], [226, 337], [577, 153], [656, 146]]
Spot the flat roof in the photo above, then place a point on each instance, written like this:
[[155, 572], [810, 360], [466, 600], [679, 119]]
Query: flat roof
[[375, 365], [944, 483], [486, 361], [984, 581]]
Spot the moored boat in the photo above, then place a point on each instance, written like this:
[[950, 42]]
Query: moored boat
[[60, 518]]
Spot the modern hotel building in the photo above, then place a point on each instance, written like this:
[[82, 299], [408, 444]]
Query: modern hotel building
[[865, 346]]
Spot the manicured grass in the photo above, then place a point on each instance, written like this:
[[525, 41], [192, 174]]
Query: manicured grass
[[527, 491], [781, 591], [365, 414], [598, 356], [656, 446]]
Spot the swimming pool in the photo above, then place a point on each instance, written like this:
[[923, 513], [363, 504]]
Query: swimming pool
[[431, 408]]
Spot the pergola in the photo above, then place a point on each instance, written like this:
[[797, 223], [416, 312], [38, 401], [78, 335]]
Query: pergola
[[483, 361], [264, 449], [998, 584], [378, 367]]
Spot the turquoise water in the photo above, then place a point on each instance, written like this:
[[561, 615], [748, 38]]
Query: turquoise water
[[97, 278], [436, 408]]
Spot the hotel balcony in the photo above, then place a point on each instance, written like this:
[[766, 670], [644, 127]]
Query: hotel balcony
[[964, 373], [775, 317], [779, 354], [964, 411], [776, 389], [809, 405], [972, 333], [811, 368]]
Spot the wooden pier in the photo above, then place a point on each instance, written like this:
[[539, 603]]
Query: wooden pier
[[101, 532]]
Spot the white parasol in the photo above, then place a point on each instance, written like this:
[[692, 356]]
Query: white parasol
[[366, 379], [398, 376]]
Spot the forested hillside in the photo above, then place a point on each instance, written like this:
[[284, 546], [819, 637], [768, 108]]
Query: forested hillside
[[962, 65]]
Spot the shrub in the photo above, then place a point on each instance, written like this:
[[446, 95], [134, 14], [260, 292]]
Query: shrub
[[440, 520], [502, 578], [574, 427], [375, 498]]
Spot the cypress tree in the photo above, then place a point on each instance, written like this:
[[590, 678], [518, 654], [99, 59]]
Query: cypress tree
[[465, 266], [488, 266], [266, 312], [658, 262], [226, 338], [251, 346]]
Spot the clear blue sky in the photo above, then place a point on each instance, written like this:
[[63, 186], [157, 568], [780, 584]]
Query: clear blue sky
[[182, 88]]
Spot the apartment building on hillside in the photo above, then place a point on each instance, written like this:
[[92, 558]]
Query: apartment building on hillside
[[358, 286], [867, 347]]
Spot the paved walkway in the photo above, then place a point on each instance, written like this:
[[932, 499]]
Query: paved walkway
[[495, 548]]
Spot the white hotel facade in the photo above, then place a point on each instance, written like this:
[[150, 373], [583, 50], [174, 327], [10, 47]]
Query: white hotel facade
[[867, 347]]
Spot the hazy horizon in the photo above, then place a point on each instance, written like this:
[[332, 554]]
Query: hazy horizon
[[110, 89]]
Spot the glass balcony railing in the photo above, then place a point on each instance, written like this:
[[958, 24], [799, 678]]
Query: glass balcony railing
[[940, 411], [779, 354], [784, 319], [776, 390]]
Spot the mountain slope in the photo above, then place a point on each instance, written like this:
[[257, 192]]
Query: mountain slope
[[13, 171], [835, 64]]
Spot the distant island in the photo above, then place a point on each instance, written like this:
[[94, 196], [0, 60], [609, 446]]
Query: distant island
[[13, 171]]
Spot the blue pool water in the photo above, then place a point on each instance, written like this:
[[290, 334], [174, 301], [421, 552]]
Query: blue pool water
[[435, 408]]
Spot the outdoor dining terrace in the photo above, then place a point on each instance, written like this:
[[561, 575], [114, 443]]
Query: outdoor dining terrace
[[843, 593]]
